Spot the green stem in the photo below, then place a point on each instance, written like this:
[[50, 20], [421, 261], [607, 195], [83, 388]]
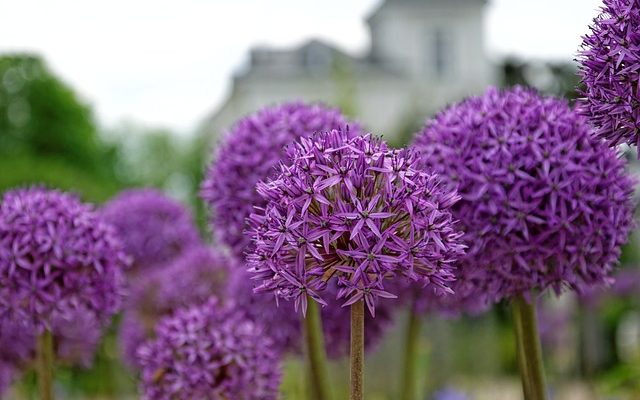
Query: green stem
[[44, 359], [317, 358], [528, 348], [357, 351], [410, 355]]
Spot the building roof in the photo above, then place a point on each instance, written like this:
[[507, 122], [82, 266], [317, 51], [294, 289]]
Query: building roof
[[314, 58]]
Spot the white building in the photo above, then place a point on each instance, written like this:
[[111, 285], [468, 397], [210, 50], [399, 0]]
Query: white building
[[424, 54]]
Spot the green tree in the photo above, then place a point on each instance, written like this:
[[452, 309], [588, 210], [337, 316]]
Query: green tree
[[47, 135]]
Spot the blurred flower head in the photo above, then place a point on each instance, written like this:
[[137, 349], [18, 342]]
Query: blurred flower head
[[449, 393], [210, 352], [249, 153], [192, 278], [351, 210], [56, 251], [76, 332], [336, 324], [283, 325], [610, 69], [544, 203], [7, 376], [626, 284], [154, 228]]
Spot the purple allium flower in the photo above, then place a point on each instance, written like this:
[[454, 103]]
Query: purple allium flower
[[610, 69], [77, 333], [626, 284], [154, 228], [249, 154], [449, 393], [209, 352], [281, 324], [337, 329], [544, 203], [466, 299], [190, 279], [7, 376], [17, 341], [553, 326], [55, 250], [354, 211]]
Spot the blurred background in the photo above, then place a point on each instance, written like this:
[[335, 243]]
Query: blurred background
[[99, 96]]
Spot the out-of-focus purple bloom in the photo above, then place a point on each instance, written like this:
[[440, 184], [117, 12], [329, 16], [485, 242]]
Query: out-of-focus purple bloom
[[76, 333], [7, 376], [55, 251], [190, 279], [336, 324], [464, 300], [353, 211], [610, 69], [544, 203], [283, 325], [626, 284], [450, 393], [209, 352], [553, 326], [249, 154], [154, 228]]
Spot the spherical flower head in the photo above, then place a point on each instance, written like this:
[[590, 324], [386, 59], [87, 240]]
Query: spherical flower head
[[190, 279], [283, 325], [7, 375], [280, 323], [337, 329], [55, 250], [153, 228], [450, 393], [610, 69], [249, 153], [76, 334], [466, 298], [353, 211], [209, 352], [626, 284], [544, 203]]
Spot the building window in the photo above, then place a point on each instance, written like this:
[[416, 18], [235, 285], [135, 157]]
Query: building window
[[440, 54]]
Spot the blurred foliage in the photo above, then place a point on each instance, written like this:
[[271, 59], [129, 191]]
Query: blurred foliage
[[47, 134], [554, 78], [158, 157]]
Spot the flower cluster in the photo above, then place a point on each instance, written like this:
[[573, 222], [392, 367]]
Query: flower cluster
[[626, 284], [466, 299], [190, 279], [283, 326], [336, 324], [55, 250], [76, 334], [352, 210], [154, 228], [249, 154], [544, 203], [7, 376], [610, 69], [209, 352]]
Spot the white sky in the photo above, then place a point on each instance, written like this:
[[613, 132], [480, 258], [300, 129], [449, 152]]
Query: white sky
[[168, 62]]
